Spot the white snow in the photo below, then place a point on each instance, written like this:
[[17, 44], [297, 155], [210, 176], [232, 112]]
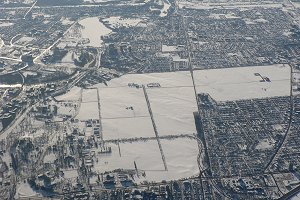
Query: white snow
[[72, 95], [10, 86], [5, 24], [145, 154], [266, 144], [68, 174], [164, 10], [180, 154], [114, 102], [66, 21], [24, 190], [124, 114], [181, 157], [173, 109], [88, 111], [93, 29], [89, 95], [169, 79], [68, 58], [127, 128], [241, 83]]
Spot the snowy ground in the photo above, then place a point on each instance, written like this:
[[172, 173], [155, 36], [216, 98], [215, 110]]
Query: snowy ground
[[241, 83], [5, 24], [89, 95], [72, 95], [93, 29], [125, 114], [170, 79], [116, 101], [24, 190], [88, 111], [165, 9], [120, 128], [173, 109], [68, 58], [181, 158]]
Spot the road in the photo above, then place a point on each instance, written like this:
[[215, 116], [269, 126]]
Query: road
[[291, 194], [19, 118], [155, 129], [287, 133], [17, 70], [55, 43], [13, 59], [30, 9], [11, 42]]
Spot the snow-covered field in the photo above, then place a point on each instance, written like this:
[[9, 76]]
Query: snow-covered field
[[24, 190], [119, 128], [115, 102], [93, 29], [241, 83], [173, 109], [169, 79], [89, 95], [68, 58], [180, 154], [72, 95], [145, 154], [165, 9], [124, 113], [88, 110]]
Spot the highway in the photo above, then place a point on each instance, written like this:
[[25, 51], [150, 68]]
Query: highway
[[291, 194], [19, 118], [30, 9], [287, 133], [55, 43]]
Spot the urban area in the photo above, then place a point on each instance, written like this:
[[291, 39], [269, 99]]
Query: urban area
[[150, 99]]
